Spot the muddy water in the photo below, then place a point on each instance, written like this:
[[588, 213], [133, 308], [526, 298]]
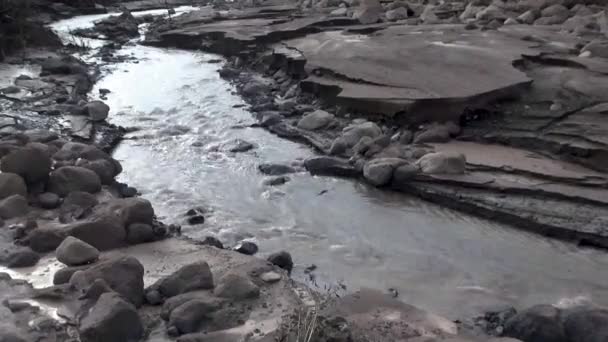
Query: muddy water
[[438, 259]]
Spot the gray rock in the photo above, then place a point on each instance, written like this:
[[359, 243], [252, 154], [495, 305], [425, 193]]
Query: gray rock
[[74, 151], [96, 289], [125, 275], [174, 302], [470, 12], [187, 317], [73, 178], [13, 206], [555, 10], [238, 145], [103, 232], [79, 199], [404, 173], [111, 319], [11, 184], [397, 14], [75, 252], [442, 163], [282, 259], [270, 118], [237, 287], [329, 166], [195, 276], [49, 200], [44, 240], [30, 163], [428, 15], [276, 181], [368, 12], [528, 17], [97, 110], [104, 168], [315, 120], [339, 12], [338, 147], [22, 257], [379, 172], [140, 233], [433, 134], [490, 13], [247, 248], [275, 169], [539, 323], [270, 277], [554, 20], [587, 325], [63, 275], [353, 133]]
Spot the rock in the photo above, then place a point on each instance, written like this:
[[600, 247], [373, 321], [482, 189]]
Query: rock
[[254, 88], [174, 302], [195, 276], [511, 21], [329, 166], [79, 199], [339, 12], [555, 10], [125, 275], [103, 232], [397, 14], [404, 173], [119, 28], [442, 163], [247, 248], [379, 172], [212, 241], [22, 257], [239, 145], [353, 133], [338, 147], [73, 151], [539, 323], [111, 319], [104, 168], [96, 289], [49, 200], [13, 206], [140, 233], [30, 163], [433, 134], [10, 333], [470, 12], [44, 240], [237, 287], [597, 48], [275, 181], [490, 13], [282, 259], [196, 219], [63, 275], [12, 184], [555, 20], [270, 277], [73, 178], [368, 12], [275, 169], [187, 317], [428, 15], [75, 252], [270, 118], [315, 120], [587, 325], [97, 110]]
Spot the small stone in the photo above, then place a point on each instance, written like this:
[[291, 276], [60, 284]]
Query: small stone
[[282, 259], [49, 200], [247, 248], [196, 219], [270, 277]]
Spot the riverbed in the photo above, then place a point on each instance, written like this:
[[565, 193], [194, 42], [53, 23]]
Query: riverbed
[[358, 236]]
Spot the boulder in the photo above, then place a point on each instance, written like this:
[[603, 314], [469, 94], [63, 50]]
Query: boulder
[[73, 178], [442, 163], [275, 169], [195, 276], [21, 257], [541, 323], [282, 259], [111, 319], [105, 169], [397, 14], [44, 240], [13, 206], [315, 120], [125, 275], [236, 286], [379, 172], [79, 199], [174, 302], [490, 13], [49, 200], [556, 10], [30, 163], [136, 210], [187, 317], [62, 276], [96, 289], [97, 110], [338, 147], [12, 184], [75, 150], [329, 166], [140, 233], [103, 232], [433, 134], [404, 173], [75, 252], [352, 134], [247, 248], [587, 325], [368, 12]]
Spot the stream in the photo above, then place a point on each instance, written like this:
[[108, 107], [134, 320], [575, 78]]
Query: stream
[[441, 260]]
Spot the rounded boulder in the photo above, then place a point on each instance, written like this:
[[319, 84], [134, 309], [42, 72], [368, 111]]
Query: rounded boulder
[[75, 252], [73, 178]]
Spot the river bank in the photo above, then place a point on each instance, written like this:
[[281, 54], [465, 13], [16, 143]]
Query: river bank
[[170, 255]]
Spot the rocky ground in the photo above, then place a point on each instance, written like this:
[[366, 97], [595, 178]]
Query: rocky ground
[[502, 115]]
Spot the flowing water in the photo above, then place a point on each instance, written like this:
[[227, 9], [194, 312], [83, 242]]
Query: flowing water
[[438, 259]]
